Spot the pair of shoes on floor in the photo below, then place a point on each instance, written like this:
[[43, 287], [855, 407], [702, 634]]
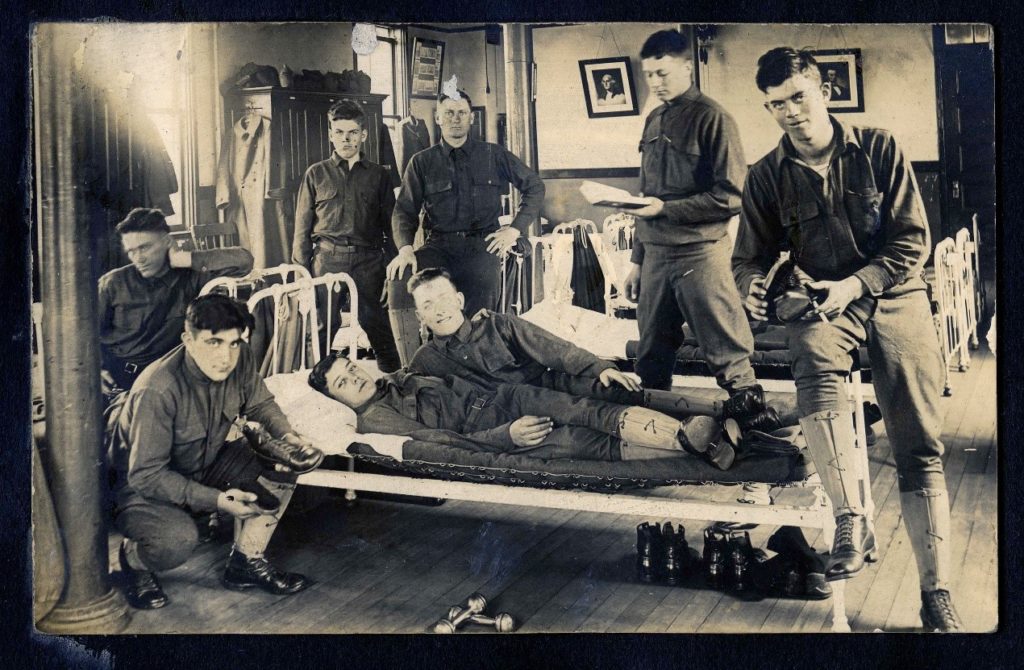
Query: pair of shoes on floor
[[796, 571], [729, 560], [662, 554], [142, 589]]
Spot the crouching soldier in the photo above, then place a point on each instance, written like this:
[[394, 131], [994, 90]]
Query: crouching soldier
[[173, 432]]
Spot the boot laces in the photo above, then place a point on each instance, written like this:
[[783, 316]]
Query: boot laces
[[942, 605], [844, 530]]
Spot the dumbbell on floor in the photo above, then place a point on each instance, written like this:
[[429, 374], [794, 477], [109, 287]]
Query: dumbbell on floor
[[458, 615], [503, 622]]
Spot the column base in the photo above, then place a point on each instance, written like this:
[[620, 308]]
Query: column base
[[106, 615]]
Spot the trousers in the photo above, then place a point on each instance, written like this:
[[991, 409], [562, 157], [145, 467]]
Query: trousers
[[906, 370], [366, 266], [167, 534], [584, 428], [692, 284]]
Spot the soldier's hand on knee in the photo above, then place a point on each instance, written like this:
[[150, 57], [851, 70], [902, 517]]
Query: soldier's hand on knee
[[406, 258], [238, 503], [501, 241], [612, 375], [632, 284], [529, 431], [755, 302]]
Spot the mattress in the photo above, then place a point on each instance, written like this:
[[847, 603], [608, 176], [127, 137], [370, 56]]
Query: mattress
[[330, 426]]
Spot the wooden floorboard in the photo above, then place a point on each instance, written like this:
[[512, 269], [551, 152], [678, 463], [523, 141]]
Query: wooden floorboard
[[390, 567]]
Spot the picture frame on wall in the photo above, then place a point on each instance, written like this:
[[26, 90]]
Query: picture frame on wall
[[478, 130], [608, 87], [427, 68], [842, 70]]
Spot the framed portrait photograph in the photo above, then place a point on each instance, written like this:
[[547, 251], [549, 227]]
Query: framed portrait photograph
[[841, 68], [426, 70], [608, 87]]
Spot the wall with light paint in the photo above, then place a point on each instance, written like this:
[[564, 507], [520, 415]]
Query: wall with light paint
[[898, 72]]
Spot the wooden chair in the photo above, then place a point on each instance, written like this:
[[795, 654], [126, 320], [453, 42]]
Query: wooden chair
[[214, 235]]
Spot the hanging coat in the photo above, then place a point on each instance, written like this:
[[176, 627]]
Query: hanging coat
[[251, 191], [587, 276]]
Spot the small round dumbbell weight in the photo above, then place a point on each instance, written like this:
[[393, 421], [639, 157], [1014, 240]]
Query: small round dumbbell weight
[[458, 615], [503, 622]]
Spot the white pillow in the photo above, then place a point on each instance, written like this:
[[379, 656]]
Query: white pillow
[[328, 424]]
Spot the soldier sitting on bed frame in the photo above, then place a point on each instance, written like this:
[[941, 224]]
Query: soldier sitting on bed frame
[[515, 418], [505, 349]]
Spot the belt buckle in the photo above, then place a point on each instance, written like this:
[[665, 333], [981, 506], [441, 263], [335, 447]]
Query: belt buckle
[[479, 404], [131, 368]]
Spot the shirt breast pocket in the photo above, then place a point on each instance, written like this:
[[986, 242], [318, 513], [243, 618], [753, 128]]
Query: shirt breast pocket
[[487, 191], [131, 315], [497, 360], [804, 231], [681, 164], [864, 210], [326, 191], [438, 199]]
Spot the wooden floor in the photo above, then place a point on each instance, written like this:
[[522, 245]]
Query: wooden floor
[[386, 567]]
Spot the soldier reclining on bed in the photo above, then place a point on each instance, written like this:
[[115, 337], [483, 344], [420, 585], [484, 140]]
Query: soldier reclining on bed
[[516, 418]]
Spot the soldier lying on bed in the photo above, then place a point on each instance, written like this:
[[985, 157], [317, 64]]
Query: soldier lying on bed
[[516, 418], [505, 349]]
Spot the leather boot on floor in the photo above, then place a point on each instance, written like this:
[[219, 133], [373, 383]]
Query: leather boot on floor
[[141, 588], [680, 559], [938, 614], [716, 548], [649, 552], [740, 561], [854, 544], [789, 541], [244, 573]]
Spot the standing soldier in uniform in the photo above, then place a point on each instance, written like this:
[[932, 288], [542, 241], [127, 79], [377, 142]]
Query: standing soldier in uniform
[[691, 171], [458, 184]]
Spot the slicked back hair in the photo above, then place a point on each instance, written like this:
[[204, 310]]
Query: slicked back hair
[[215, 312], [143, 220], [428, 275]]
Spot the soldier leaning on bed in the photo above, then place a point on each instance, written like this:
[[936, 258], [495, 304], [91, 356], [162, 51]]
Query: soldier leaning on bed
[[505, 349]]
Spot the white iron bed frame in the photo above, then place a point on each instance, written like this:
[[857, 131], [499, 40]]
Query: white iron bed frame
[[815, 515]]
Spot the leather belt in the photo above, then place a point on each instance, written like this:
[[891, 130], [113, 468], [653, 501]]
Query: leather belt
[[344, 244], [479, 232]]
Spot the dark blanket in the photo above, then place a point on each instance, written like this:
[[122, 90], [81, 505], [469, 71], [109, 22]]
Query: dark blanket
[[771, 358], [438, 461]]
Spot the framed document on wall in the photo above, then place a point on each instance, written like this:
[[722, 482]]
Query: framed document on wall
[[427, 58]]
